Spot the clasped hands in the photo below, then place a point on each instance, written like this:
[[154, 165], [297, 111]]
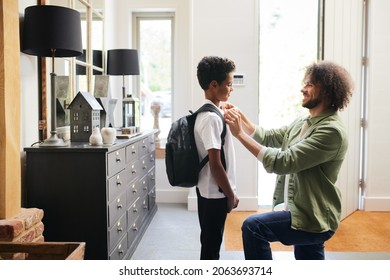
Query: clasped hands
[[233, 118]]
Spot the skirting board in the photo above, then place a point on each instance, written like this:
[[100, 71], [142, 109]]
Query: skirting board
[[182, 195], [172, 195], [376, 203], [245, 204]]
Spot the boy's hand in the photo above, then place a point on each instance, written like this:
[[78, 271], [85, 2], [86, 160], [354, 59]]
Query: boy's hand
[[232, 202]]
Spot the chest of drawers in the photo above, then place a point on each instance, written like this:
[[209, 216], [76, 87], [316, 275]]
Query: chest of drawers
[[104, 196]]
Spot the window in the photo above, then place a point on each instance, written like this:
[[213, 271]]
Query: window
[[154, 41], [290, 39]]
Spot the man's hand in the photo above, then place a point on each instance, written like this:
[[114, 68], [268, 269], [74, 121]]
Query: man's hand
[[233, 119]]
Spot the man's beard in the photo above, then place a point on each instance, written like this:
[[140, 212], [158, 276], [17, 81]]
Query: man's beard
[[313, 102]]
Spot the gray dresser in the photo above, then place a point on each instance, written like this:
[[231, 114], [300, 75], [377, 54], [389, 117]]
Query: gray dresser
[[104, 196]]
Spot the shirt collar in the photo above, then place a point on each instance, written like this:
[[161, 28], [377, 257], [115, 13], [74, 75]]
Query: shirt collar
[[321, 116]]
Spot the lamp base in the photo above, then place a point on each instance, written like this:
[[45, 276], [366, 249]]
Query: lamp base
[[53, 141]]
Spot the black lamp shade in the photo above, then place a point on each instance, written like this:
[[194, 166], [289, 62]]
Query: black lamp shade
[[48, 28], [122, 62]]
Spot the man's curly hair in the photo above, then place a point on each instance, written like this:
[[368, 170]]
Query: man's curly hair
[[335, 82], [213, 68]]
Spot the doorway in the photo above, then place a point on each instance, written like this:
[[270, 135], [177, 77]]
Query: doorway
[[290, 39]]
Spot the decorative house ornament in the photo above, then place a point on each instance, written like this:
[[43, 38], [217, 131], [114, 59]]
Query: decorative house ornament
[[84, 116]]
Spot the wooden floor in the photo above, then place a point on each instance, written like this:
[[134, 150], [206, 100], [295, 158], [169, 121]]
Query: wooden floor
[[174, 235], [360, 232]]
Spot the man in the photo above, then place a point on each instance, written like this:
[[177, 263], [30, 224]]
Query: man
[[306, 156]]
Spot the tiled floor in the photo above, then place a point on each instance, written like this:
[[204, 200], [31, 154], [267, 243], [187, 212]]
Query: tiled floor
[[174, 235]]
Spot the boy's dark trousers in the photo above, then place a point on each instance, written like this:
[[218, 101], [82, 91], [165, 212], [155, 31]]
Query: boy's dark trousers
[[212, 216]]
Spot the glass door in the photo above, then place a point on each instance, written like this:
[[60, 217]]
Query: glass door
[[290, 39]]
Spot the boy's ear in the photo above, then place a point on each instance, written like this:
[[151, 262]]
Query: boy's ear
[[213, 84]]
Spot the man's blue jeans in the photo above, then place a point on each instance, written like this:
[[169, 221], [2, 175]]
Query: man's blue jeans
[[260, 229]]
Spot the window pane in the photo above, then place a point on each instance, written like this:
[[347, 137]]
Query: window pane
[[156, 72]]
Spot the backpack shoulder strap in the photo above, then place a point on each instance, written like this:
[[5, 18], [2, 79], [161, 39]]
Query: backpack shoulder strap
[[211, 108]]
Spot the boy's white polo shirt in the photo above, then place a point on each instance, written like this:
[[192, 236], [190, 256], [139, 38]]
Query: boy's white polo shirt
[[208, 129]]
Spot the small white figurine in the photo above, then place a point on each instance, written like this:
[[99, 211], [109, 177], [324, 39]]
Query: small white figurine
[[109, 135], [96, 138]]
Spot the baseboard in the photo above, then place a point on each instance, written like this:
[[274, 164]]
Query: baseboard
[[183, 195], [173, 195], [245, 204], [376, 203]]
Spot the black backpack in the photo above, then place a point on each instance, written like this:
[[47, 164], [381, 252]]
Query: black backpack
[[181, 156]]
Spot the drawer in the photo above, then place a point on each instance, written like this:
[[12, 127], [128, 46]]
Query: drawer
[[143, 146], [133, 192], [117, 231], [120, 250], [147, 162], [117, 184], [151, 179], [116, 161], [132, 152], [152, 145], [152, 158], [144, 186], [133, 212], [116, 208], [133, 170], [152, 198], [133, 232], [144, 207]]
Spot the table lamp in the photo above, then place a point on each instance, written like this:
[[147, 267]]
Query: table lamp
[[52, 31], [125, 62]]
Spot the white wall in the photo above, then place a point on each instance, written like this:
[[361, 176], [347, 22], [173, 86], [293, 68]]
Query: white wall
[[377, 194], [229, 28], [28, 92]]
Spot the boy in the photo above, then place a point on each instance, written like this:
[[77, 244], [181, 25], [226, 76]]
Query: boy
[[216, 185]]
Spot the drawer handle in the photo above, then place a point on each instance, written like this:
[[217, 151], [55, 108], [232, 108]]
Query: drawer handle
[[119, 206], [144, 167], [145, 206], [120, 229], [134, 191], [135, 228], [144, 146], [118, 160], [135, 210], [120, 252], [133, 152], [133, 171], [119, 183]]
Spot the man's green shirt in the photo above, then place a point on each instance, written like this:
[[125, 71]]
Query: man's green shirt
[[313, 163]]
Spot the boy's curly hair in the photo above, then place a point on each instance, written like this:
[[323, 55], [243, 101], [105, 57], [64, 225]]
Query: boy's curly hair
[[334, 80], [212, 68]]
